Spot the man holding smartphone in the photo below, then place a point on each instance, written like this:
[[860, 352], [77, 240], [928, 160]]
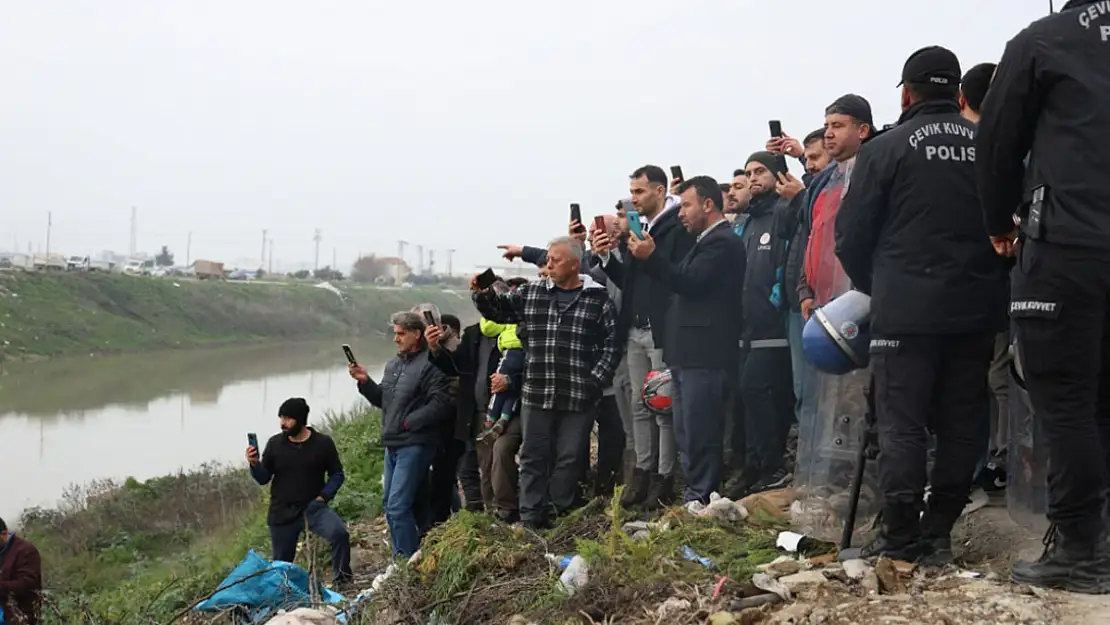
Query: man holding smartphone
[[295, 463], [643, 312]]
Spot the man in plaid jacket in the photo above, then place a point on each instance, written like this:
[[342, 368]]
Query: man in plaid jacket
[[568, 326]]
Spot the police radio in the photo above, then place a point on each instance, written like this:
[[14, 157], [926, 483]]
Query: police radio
[[1034, 221]]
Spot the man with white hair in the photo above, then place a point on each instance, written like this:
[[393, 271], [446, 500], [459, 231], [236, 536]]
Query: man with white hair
[[572, 352]]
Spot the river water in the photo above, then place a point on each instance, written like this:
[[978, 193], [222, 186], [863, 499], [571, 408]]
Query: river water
[[72, 421]]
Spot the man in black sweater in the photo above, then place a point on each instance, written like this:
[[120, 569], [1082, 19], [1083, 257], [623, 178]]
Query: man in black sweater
[[296, 462]]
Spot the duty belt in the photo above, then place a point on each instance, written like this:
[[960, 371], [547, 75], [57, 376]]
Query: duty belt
[[764, 343]]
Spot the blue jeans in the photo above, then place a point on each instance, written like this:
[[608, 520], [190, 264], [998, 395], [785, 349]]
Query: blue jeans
[[324, 522], [698, 404], [406, 468]]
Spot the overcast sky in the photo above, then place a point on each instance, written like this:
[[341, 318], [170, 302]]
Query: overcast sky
[[447, 124]]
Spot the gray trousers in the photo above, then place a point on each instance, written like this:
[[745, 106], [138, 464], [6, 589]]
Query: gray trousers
[[622, 388], [551, 460], [999, 378], [653, 434]]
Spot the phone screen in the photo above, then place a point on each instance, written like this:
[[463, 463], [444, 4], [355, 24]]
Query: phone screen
[[350, 355], [429, 318], [776, 128], [599, 223], [634, 225], [252, 440], [676, 173]]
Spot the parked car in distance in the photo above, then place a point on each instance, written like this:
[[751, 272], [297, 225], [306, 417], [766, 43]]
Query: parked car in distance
[[100, 265], [77, 263], [240, 274], [208, 270], [133, 267]]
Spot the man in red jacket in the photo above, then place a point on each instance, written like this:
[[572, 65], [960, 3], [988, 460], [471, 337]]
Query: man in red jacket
[[20, 579]]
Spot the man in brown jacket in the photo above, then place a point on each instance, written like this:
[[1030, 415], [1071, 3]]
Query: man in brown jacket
[[20, 579]]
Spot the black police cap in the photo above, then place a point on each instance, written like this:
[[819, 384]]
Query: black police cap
[[933, 65]]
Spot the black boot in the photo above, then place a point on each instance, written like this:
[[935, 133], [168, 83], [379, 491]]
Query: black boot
[[636, 491], [899, 536], [1071, 561], [936, 532], [660, 492]]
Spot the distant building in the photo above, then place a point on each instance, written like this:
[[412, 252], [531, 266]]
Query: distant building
[[398, 268]]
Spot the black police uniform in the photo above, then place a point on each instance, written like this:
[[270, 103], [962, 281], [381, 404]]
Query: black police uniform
[[1051, 99], [766, 381], [910, 233]]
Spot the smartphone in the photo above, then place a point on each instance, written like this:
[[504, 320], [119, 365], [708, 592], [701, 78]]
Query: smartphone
[[576, 214], [486, 279], [634, 225], [349, 354], [776, 128], [676, 173], [599, 222], [429, 318], [252, 440]]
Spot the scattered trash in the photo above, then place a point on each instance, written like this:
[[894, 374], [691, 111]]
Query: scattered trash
[[802, 579], [692, 556], [784, 566], [719, 508], [416, 558], [789, 541], [262, 587], [717, 589], [969, 574], [376, 585], [576, 575], [303, 616], [721, 618], [856, 569], [765, 582], [737, 605], [674, 605], [560, 561]]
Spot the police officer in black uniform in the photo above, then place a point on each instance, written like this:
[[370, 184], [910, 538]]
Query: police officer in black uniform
[[1051, 99], [910, 233]]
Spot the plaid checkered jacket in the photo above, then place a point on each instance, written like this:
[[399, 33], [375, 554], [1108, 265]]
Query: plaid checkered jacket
[[570, 355]]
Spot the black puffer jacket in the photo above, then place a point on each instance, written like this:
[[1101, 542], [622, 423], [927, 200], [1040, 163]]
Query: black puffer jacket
[[414, 398]]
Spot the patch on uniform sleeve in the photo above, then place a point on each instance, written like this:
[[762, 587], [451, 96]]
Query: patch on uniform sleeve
[[1035, 309], [885, 346]]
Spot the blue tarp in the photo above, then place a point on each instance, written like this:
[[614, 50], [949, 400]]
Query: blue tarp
[[274, 586]]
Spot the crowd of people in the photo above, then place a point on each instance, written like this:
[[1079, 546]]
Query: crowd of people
[[705, 287], [985, 195]]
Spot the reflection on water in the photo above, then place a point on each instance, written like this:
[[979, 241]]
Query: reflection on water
[[76, 420]]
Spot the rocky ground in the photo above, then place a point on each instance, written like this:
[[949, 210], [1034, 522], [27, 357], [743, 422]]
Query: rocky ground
[[823, 592]]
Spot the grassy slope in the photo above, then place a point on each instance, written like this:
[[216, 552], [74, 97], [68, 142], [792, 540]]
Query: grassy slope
[[143, 551], [70, 314]]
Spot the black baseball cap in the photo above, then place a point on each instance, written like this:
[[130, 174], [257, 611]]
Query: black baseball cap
[[933, 65]]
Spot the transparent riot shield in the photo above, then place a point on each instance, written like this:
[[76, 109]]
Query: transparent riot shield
[[831, 430], [1026, 492]]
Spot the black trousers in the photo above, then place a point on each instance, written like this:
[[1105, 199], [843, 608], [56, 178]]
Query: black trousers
[[934, 383], [1060, 304], [767, 390]]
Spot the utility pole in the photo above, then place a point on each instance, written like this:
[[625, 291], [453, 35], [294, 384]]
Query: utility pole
[[49, 224], [271, 268], [334, 263], [317, 238], [450, 253], [432, 262], [400, 259], [188, 248], [134, 232], [419, 260], [262, 257]]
